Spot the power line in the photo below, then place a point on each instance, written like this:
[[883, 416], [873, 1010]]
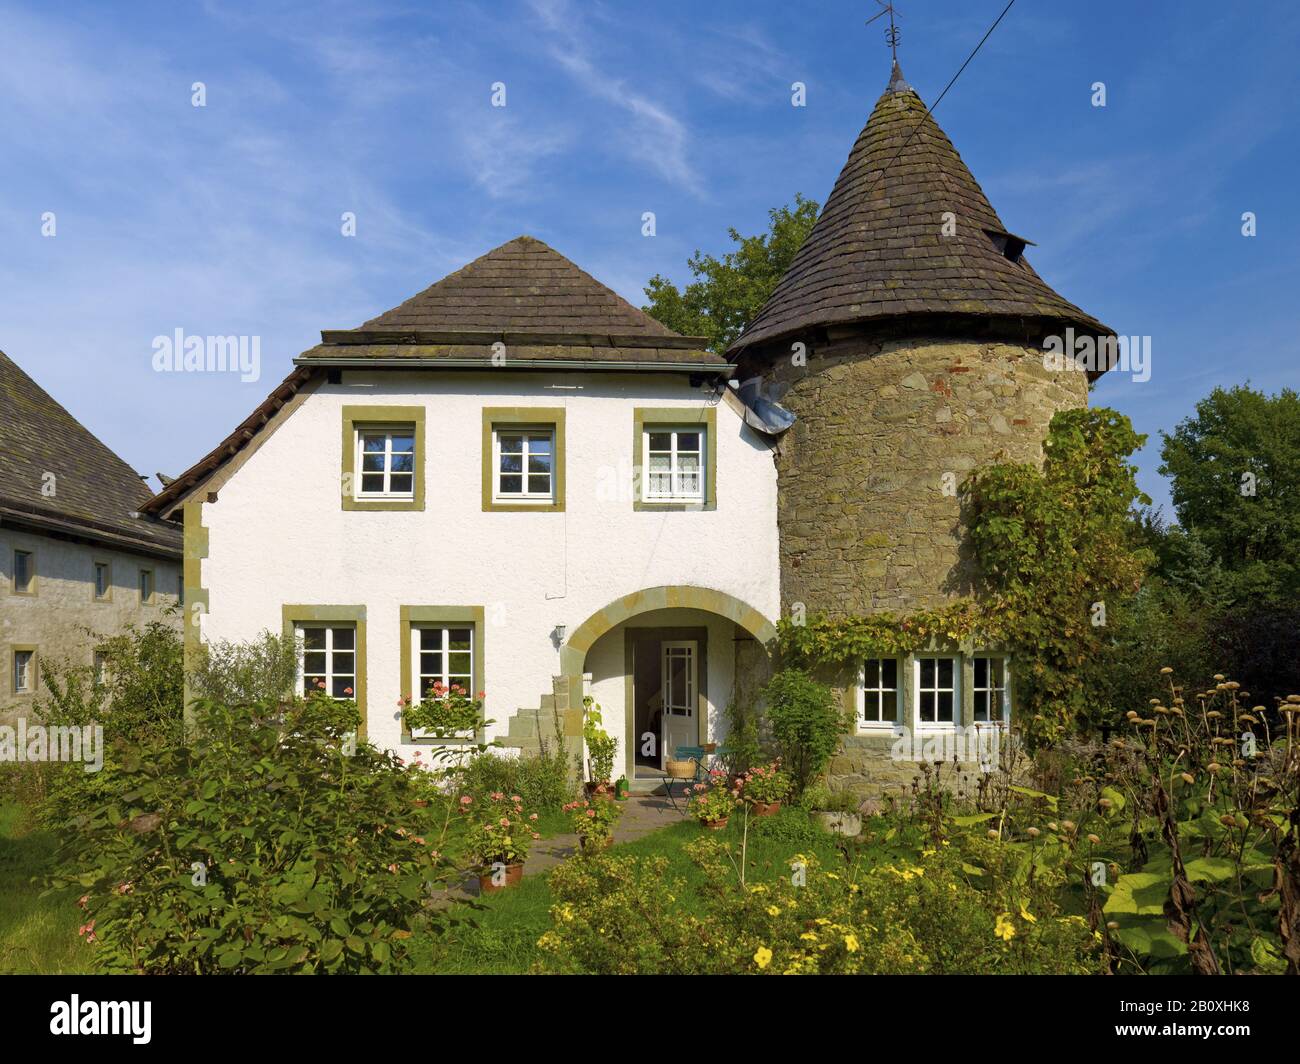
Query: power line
[[930, 110]]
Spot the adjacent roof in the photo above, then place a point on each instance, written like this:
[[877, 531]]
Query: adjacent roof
[[528, 297], [878, 249], [93, 493]]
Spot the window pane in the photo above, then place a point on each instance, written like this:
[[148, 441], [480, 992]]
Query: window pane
[[871, 673], [889, 706], [889, 673], [512, 444], [688, 463], [314, 662], [539, 463], [927, 672], [458, 664], [430, 664], [539, 484], [371, 442], [688, 441], [312, 683], [945, 706], [997, 672], [430, 638], [344, 638], [400, 483], [926, 706], [372, 463], [404, 443], [512, 485], [403, 463], [344, 663], [661, 441], [945, 672], [313, 638], [981, 672], [459, 638], [539, 444], [343, 687], [372, 482]]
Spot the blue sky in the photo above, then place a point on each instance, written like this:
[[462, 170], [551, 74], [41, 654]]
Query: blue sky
[[226, 219]]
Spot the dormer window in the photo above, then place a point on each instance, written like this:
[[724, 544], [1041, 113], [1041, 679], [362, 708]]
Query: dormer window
[[1009, 245]]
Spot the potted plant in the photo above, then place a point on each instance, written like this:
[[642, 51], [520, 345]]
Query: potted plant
[[601, 748], [498, 839], [712, 802], [444, 711], [594, 822], [836, 811], [763, 787]]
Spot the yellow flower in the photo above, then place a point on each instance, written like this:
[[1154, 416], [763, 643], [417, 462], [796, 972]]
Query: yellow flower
[[566, 913], [851, 943], [1004, 928], [831, 875], [773, 910], [809, 936], [1027, 916], [762, 957]]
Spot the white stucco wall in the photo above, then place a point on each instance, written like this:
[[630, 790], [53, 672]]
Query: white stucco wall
[[278, 534]]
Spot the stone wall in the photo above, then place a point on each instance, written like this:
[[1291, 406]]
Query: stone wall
[[54, 619], [869, 517]]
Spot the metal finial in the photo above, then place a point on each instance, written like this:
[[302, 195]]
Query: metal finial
[[892, 34]]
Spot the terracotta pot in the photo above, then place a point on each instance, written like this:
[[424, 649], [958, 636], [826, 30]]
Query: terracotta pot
[[514, 873], [717, 825], [599, 790], [766, 808]]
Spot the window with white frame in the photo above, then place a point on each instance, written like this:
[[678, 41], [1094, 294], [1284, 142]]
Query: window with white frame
[[444, 654], [878, 705], [936, 691], [674, 464], [24, 678], [386, 458], [523, 463], [989, 687], [329, 659]]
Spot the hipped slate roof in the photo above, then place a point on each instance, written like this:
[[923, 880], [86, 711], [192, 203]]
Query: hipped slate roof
[[94, 493], [877, 250], [526, 296]]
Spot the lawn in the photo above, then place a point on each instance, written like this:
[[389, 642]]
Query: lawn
[[37, 935], [498, 934]]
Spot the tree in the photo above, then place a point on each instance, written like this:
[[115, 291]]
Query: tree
[[730, 291], [1236, 488]]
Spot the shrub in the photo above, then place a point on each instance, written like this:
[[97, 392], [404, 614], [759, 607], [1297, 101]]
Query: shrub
[[764, 783], [594, 820], [714, 800], [500, 831], [806, 724], [260, 671], [260, 847], [541, 780], [601, 746]]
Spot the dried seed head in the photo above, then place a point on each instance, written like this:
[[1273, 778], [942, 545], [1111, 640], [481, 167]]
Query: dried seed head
[[1094, 839], [1166, 671]]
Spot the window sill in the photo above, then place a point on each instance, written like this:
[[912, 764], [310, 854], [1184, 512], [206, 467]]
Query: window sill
[[542, 506], [383, 505], [671, 504]]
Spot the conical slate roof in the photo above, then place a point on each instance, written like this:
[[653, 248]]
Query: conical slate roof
[[522, 286], [878, 249]]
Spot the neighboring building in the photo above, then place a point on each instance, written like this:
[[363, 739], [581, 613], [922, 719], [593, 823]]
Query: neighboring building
[[518, 480], [75, 553]]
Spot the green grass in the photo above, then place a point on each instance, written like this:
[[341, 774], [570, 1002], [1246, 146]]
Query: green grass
[[37, 935], [498, 934]]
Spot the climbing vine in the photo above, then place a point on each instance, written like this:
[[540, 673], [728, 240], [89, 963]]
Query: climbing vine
[[1053, 547]]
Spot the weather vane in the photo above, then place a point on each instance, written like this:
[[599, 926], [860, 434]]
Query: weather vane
[[892, 34]]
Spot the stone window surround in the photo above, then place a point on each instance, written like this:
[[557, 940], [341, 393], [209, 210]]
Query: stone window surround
[[95, 563], [412, 617], [293, 615], [684, 417], [497, 417], [33, 570], [33, 675], [908, 673], [153, 586], [377, 417]]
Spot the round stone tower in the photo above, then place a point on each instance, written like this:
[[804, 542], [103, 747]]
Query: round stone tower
[[908, 334]]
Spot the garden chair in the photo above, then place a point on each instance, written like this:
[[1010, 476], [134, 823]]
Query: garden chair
[[693, 755]]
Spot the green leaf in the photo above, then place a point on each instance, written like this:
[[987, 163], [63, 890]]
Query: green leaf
[[974, 818], [1210, 869], [1141, 893], [1151, 939]]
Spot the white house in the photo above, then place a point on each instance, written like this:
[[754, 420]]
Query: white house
[[452, 492]]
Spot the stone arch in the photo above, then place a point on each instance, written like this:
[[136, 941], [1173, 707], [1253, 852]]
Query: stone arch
[[574, 652]]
